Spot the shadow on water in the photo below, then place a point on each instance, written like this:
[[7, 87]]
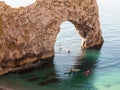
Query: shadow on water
[[86, 63], [87, 59], [46, 75], [42, 75], [33, 77]]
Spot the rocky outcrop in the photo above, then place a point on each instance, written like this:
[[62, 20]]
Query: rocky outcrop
[[28, 34]]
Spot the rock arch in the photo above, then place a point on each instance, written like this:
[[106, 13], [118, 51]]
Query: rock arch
[[67, 37], [28, 34]]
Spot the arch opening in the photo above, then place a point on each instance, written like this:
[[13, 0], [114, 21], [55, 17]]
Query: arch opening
[[19, 3], [67, 39]]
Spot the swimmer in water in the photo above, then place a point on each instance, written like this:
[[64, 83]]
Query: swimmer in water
[[59, 46], [68, 51], [87, 72]]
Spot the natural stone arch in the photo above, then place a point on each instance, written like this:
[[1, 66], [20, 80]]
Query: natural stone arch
[[28, 34]]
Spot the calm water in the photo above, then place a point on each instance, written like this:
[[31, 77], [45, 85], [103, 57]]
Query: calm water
[[104, 64]]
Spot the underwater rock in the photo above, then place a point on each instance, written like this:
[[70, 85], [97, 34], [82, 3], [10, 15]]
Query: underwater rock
[[3, 88]]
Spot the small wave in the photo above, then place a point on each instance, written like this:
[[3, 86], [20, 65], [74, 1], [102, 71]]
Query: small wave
[[109, 64]]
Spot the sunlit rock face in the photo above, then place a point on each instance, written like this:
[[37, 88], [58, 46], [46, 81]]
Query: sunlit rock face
[[28, 34]]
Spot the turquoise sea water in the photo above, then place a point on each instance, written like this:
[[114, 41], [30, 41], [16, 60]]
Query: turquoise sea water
[[103, 64]]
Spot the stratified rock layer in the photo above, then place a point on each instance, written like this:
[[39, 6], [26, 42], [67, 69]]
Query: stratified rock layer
[[28, 34]]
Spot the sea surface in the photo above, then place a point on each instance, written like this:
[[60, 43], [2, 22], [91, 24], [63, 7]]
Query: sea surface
[[99, 69]]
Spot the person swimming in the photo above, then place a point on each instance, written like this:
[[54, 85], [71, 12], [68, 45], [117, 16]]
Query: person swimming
[[87, 72], [59, 46], [68, 51]]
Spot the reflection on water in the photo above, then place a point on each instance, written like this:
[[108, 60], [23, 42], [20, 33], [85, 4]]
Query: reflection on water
[[31, 79], [43, 75], [47, 76], [87, 59]]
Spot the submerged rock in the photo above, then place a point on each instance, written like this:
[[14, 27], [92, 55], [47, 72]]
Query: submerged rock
[[3, 88], [53, 80], [28, 34]]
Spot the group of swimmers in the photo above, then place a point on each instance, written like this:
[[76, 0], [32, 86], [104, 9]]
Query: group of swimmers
[[71, 70], [61, 48]]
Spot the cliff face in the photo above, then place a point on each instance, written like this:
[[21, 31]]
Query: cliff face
[[29, 34]]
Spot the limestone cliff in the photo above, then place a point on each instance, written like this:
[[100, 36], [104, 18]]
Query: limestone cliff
[[28, 34]]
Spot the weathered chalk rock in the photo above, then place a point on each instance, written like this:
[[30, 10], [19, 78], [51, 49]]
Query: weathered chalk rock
[[28, 34]]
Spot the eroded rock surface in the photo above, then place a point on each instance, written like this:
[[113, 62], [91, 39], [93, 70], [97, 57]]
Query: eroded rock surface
[[29, 34]]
